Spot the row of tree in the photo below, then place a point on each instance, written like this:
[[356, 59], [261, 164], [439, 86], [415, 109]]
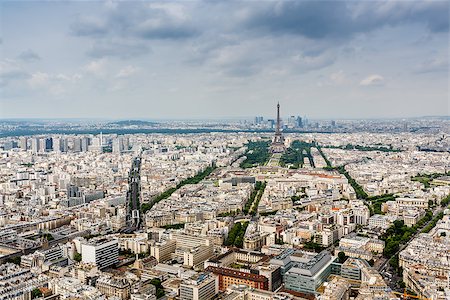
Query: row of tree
[[254, 208], [360, 193], [365, 148], [252, 197], [296, 154], [398, 233], [236, 235]]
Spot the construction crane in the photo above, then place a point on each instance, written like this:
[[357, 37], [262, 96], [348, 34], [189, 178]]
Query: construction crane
[[405, 295]]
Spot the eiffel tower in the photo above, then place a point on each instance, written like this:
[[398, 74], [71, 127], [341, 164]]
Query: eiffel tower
[[278, 140]]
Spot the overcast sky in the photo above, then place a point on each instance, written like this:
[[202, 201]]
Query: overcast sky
[[216, 59]]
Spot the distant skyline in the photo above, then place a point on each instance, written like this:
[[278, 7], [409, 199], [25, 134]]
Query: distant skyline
[[224, 60]]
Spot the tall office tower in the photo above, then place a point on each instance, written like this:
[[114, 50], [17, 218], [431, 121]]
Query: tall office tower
[[259, 120], [125, 143], [84, 144], [95, 146], [299, 122], [101, 139], [42, 144], [278, 140], [23, 143], [35, 145], [117, 145], [57, 144], [64, 144], [76, 144], [291, 122], [48, 144]]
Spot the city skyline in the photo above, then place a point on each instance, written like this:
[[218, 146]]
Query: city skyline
[[150, 60]]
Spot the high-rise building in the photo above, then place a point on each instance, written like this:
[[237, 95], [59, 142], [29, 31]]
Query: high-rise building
[[48, 144], [64, 144], [270, 123], [96, 145], [117, 145], [125, 143], [23, 143], [76, 144], [57, 144], [278, 140], [84, 144], [299, 122], [35, 145], [259, 120], [292, 122], [42, 144]]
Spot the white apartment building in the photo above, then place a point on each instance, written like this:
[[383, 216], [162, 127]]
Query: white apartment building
[[103, 252], [203, 287]]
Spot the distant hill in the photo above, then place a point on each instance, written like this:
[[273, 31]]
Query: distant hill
[[133, 123], [435, 117]]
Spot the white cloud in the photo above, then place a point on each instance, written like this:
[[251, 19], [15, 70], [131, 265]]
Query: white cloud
[[127, 72], [38, 79], [71, 78], [55, 85], [338, 78], [374, 79], [96, 67], [433, 65]]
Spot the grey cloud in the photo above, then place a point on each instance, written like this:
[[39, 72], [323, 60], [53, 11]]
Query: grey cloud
[[29, 56], [310, 19], [136, 20], [89, 26], [10, 71], [340, 19], [121, 49], [166, 31]]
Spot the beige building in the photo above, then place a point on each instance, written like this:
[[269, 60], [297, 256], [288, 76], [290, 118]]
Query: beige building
[[412, 202], [162, 251], [114, 287], [197, 256]]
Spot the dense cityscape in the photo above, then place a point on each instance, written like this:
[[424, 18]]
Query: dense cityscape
[[234, 150], [229, 215]]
